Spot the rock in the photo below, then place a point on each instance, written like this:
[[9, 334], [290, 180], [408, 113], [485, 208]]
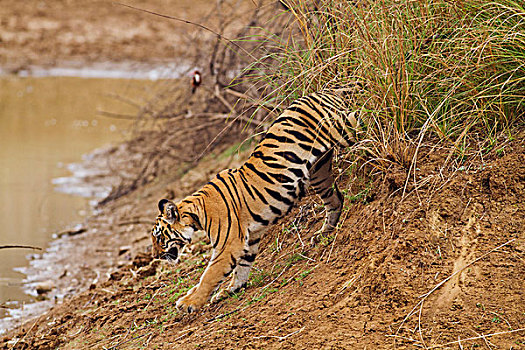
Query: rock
[[44, 287], [123, 249]]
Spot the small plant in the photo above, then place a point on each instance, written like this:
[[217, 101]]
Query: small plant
[[361, 196], [295, 258], [257, 277], [304, 274]]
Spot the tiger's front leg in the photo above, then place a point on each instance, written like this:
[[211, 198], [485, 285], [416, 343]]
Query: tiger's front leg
[[218, 268], [242, 270]]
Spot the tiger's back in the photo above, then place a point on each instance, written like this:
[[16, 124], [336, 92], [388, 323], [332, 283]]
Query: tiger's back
[[238, 205]]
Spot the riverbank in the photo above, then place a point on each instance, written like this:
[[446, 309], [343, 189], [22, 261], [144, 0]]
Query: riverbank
[[461, 248]]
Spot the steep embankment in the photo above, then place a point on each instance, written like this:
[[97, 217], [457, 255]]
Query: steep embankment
[[441, 266]]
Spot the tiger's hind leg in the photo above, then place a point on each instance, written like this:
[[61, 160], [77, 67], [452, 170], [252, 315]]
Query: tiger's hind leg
[[322, 181]]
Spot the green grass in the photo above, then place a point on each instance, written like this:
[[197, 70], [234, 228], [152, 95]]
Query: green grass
[[450, 72]]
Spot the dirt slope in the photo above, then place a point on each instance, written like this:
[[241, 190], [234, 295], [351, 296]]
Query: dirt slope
[[436, 268]]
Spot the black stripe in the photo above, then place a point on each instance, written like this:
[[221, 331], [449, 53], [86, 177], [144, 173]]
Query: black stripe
[[254, 241], [196, 219], [299, 135], [309, 148], [331, 102], [270, 145], [292, 194], [260, 155], [223, 180], [316, 184], [250, 188], [229, 218], [254, 216], [234, 262], [237, 203], [297, 172], [275, 210], [322, 118], [290, 156], [303, 123], [275, 165], [262, 198], [305, 114], [328, 193], [322, 160], [258, 173], [280, 139], [282, 178], [249, 257], [277, 196], [318, 137], [245, 184]]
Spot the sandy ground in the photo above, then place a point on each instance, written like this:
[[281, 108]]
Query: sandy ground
[[73, 32]]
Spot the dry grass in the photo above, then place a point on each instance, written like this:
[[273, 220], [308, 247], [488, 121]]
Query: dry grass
[[449, 72]]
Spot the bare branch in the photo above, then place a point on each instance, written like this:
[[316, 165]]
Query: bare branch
[[8, 246]]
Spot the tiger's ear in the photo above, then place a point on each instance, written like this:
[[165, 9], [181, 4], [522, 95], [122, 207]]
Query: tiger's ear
[[169, 210]]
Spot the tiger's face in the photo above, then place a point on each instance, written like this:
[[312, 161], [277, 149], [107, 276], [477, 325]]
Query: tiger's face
[[171, 232]]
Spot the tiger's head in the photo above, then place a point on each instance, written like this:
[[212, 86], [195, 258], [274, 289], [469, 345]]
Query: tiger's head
[[171, 231]]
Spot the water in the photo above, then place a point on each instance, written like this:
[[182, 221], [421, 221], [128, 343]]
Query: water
[[45, 124]]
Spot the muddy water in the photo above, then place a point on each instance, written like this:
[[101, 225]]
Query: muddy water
[[46, 123]]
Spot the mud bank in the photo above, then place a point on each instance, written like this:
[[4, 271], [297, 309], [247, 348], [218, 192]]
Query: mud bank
[[443, 263]]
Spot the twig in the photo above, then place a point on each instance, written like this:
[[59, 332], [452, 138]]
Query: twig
[[182, 336], [486, 341], [464, 267], [134, 222], [415, 341], [218, 317], [117, 115], [90, 300], [77, 333], [19, 246], [151, 299], [129, 340], [281, 338], [221, 98], [475, 338], [124, 99], [26, 333], [92, 345], [219, 35], [72, 232], [252, 100]]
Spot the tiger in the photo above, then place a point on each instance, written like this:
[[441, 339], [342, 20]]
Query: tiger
[[238, 205]]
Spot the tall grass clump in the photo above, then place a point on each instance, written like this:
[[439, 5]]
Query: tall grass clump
[[447, 71]]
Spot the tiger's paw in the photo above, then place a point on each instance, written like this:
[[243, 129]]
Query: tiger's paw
[[188, 304], [220, 295], [227, 293]]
